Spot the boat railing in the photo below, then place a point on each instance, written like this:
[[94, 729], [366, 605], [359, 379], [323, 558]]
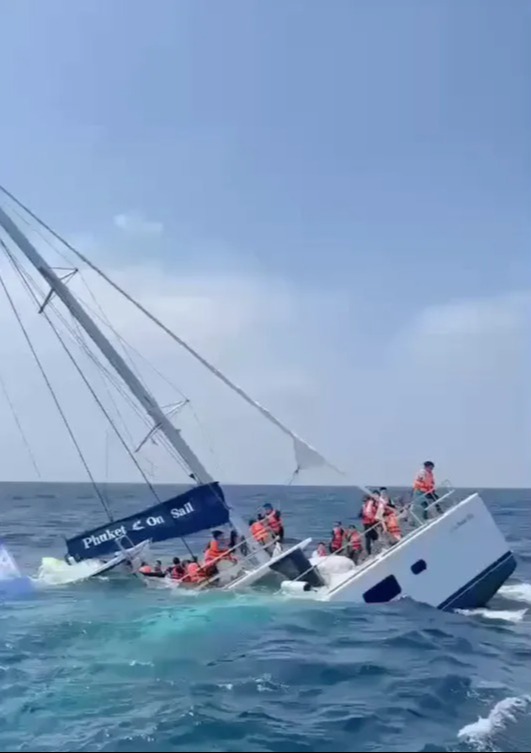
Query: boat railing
[[240, 559], [408, 514]]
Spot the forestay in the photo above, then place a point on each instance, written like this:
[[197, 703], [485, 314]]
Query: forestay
[[196, 510]]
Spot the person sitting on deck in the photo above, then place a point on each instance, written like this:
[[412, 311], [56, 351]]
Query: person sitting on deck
[[176, 571], [194, 573], [274, 520], [337, 541], [321, 550], [424, 489], [259, 530]]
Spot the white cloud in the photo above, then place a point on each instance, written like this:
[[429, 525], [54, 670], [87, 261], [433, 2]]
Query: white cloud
[[452, 385], [135, 224]]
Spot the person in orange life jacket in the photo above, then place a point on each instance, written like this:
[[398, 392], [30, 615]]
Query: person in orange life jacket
[[217, 549], [392, 525], [424, 489], [321, 550], [176, 571], [354, 544], [275, 522], [259, 530], [194, 572], [369, 520], [151, 572], [338, 539]]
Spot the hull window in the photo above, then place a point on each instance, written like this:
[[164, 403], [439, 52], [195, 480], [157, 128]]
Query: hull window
[[418, 567], [386, 590]]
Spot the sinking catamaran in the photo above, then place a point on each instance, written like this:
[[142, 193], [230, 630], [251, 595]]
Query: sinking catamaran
[[459, 559]]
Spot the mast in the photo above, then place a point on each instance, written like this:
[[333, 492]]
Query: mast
[[197, 471]]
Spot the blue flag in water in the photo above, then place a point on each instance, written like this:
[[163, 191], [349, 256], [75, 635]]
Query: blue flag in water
[[196, 510]]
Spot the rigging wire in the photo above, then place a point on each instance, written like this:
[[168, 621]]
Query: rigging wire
[[122, 342], [19, 426], [87, 384], [22, 275], [264, 411], [51, 389]]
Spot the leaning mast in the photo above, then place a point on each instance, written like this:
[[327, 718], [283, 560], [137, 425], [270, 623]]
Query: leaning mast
[[196, 469]]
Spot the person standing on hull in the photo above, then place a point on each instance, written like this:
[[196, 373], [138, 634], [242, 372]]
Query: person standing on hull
[[274, 521], [369, 520], [337, 540], [424, 489]]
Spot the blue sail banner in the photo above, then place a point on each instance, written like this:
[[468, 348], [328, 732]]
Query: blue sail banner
[[196, 510]]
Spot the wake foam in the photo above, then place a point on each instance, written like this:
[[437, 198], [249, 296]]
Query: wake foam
[[503, 712], [506, 615], [517, 592]]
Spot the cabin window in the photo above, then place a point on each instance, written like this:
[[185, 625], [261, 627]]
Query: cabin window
[[386, 590], [418, 567]]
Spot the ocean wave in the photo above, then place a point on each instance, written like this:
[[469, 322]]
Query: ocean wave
[[504, 615], [517, 592], [478, 733]]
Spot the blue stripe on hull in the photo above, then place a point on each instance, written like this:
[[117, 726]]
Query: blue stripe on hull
[[480, 590]]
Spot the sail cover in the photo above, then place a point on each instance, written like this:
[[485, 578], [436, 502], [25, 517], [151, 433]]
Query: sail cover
[[196, 510]]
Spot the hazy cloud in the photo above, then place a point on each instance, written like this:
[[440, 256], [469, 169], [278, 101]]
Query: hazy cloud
[[135, 224], [452, 384]]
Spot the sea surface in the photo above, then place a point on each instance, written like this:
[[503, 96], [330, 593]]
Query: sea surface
[[116, 666]]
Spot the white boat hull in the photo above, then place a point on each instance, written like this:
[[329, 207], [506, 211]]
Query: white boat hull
[[456, 561]]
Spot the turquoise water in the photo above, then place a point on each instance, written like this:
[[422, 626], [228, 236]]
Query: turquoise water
[[114, 666]]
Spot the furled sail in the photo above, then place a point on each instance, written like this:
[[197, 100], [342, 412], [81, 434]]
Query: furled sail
[[196, 510]]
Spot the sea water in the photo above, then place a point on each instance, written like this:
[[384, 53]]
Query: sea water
[[115, 666]]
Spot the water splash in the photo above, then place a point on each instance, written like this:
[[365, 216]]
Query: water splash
[[478, 733]]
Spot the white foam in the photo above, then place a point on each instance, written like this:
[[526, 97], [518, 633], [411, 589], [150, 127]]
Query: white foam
[[503, 712], [55, 572], [517, 592], [507, 615]]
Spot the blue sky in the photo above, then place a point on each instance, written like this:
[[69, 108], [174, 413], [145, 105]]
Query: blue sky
[[368, 163]]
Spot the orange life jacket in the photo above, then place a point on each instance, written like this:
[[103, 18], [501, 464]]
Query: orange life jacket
[[337, 539], [260, 532], [145, 569], [392, 525], [425, 482], [215, 552], [274, 521], [368, 513], [355, 541], [177, 572], [193, 573]]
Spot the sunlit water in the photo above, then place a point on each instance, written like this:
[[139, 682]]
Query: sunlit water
[[115, 666]]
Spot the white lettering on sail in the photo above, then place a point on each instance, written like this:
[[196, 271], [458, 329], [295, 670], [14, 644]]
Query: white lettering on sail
[[108, 535], [137, 526], [155, 520], [179, 512]]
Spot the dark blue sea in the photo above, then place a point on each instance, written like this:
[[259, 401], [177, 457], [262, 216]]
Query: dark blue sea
[[115, 666]]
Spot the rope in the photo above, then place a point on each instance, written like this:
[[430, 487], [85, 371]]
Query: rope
[[87, 384], [21, 430], [52, 391]]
